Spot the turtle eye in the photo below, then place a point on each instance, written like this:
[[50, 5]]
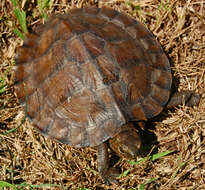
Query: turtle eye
[[124, 152]]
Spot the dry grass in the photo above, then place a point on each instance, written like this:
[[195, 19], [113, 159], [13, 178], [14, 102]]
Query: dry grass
[[26, 156]]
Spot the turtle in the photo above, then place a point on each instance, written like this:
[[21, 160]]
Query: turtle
[[86, 76]]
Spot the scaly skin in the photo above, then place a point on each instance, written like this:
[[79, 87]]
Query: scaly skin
[[126, 144]]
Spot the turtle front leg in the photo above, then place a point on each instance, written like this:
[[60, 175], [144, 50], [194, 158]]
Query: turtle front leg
[[188, 97], [108, 174]]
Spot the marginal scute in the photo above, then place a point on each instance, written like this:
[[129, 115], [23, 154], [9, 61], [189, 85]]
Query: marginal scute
[[94, 45], [161, 78], [96, 134], [150, 44], [151, 107], [126, 53], [160, 95], [85, 74], [109, 13], [77, 136], [38, 99], [75, 11], [123, 20], [90, 20], [58, 131], [44, 119], [160, 61], [22, 72], [45, 41], [110, 32], [76, 25], [63, 31], [91, 10], [25, 89], [27, 52], [141, 31]]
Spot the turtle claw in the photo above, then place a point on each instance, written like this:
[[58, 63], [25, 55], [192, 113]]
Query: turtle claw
[[111, 176], [188, 97]]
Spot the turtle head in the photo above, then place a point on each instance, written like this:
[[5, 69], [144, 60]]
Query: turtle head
[[127, 143]]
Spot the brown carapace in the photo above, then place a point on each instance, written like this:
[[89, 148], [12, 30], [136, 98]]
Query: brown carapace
[[85, 75]]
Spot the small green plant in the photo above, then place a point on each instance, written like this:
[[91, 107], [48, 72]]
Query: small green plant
[[24, 184], [21, 17], [152, 157], [142, 186], [164, 5], [125, 173], [42, 6]]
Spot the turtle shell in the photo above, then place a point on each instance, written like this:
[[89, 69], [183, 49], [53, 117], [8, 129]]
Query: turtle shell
[[84, 74]]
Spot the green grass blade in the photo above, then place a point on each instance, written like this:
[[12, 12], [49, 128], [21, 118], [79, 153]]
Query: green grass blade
[[159, 155], [42, 4], [142, 186], [139, 161], [45, 185], [14, 2], [21, 16], [5, 184], [10, 131], [18, 33], [2, 85], [24, 184], [123, 174], [152, 157], [178, 168]]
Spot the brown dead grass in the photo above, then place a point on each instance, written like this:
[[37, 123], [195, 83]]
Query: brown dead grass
[[27, 156]]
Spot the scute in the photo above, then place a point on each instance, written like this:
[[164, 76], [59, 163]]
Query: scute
[[81, 85]]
